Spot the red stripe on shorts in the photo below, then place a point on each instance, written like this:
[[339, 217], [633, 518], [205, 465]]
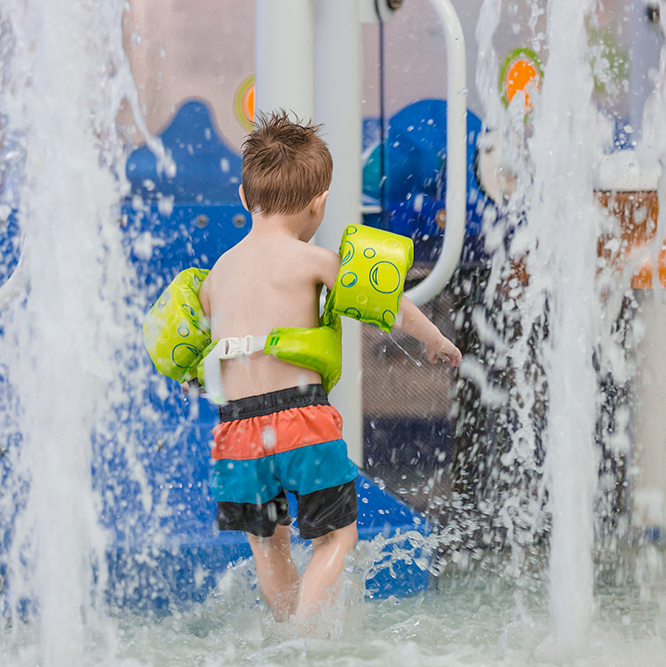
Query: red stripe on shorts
[[278, 432]]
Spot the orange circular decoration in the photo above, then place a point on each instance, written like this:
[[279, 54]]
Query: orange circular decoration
[[244, 103], [518, 77], [248, 103], [520, 71]]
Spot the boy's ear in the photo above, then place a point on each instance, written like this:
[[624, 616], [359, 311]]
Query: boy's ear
[[242, 196], [318, 203]]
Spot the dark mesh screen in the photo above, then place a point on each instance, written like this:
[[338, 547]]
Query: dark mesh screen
[[408, 429]]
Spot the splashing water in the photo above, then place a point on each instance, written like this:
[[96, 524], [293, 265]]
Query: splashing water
[[557, 317], [566, 225], [70, 334], [70, 368]]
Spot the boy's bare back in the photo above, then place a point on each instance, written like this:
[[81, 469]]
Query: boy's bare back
[[270, 279]]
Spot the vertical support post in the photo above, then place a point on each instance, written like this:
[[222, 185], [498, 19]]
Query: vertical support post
[[284, 67], [338, 106], [647, 39]]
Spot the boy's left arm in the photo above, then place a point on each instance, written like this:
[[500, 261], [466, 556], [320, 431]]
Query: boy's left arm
[[436, 346], [410, 319]]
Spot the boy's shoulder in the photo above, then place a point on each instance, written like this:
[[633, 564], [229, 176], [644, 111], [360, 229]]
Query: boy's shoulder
[[317, 254], [321, 264], [306, 259]]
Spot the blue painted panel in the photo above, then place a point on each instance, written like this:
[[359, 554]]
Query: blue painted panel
[[207, 170], [162, 245], [9, 246]]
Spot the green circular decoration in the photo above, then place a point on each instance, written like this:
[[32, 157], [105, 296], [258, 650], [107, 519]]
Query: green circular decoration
[[388, 317], [182, 355], [347, 253]]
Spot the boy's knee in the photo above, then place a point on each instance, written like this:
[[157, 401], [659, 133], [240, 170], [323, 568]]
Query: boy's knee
[[346, 537], [353, 534]]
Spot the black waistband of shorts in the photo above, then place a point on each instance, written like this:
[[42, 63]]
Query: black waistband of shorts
[[274, 401]]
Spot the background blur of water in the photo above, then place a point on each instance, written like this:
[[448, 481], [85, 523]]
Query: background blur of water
[[533, 564]]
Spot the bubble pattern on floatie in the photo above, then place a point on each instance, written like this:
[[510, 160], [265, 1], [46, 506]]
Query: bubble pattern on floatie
[[176, 331], [371, 281]]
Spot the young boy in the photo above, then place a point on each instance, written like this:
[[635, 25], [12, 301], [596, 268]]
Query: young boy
[[278, 431]]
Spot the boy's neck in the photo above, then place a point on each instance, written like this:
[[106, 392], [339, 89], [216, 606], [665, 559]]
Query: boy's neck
[[295, 225]]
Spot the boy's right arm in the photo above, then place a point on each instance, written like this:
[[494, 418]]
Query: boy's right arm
[[326, 265]]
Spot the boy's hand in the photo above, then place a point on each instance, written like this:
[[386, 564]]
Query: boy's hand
[[192, 388], [413, 322], [442, 349]]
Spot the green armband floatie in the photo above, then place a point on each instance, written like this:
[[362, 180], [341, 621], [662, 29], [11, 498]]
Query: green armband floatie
[[371, 281], [369, 288], [175, 331]]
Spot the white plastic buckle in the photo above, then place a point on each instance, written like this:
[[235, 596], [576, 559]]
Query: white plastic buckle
[[226, 348], [235, 347]]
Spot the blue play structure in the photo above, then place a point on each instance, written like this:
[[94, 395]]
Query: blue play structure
[[406, 176]]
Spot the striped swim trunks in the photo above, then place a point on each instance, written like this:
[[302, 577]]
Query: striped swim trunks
[[287, 440]]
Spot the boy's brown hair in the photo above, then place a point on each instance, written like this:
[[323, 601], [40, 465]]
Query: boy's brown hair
[[285, 165]]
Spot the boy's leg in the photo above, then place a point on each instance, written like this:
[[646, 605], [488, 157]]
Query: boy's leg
[[325, 566], [277, 574]]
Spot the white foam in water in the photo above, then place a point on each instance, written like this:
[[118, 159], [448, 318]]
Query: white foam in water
[[68, 344]]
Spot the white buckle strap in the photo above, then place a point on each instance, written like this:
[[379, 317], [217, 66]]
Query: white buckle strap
[[229, 348], [226, 348]]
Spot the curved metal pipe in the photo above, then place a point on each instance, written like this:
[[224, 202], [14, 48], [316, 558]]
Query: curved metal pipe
[[456, 158]]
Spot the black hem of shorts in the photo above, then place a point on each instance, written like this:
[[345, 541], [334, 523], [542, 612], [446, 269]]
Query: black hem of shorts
[[244, 529], [314, 510], [252, 518], [342, 522]]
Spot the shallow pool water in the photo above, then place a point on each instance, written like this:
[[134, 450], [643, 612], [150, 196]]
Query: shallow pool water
[[465, 619], [464, 622]]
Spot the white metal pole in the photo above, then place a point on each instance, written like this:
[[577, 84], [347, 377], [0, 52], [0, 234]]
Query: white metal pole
[[284, 68], [456, 157], [338, 107]]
